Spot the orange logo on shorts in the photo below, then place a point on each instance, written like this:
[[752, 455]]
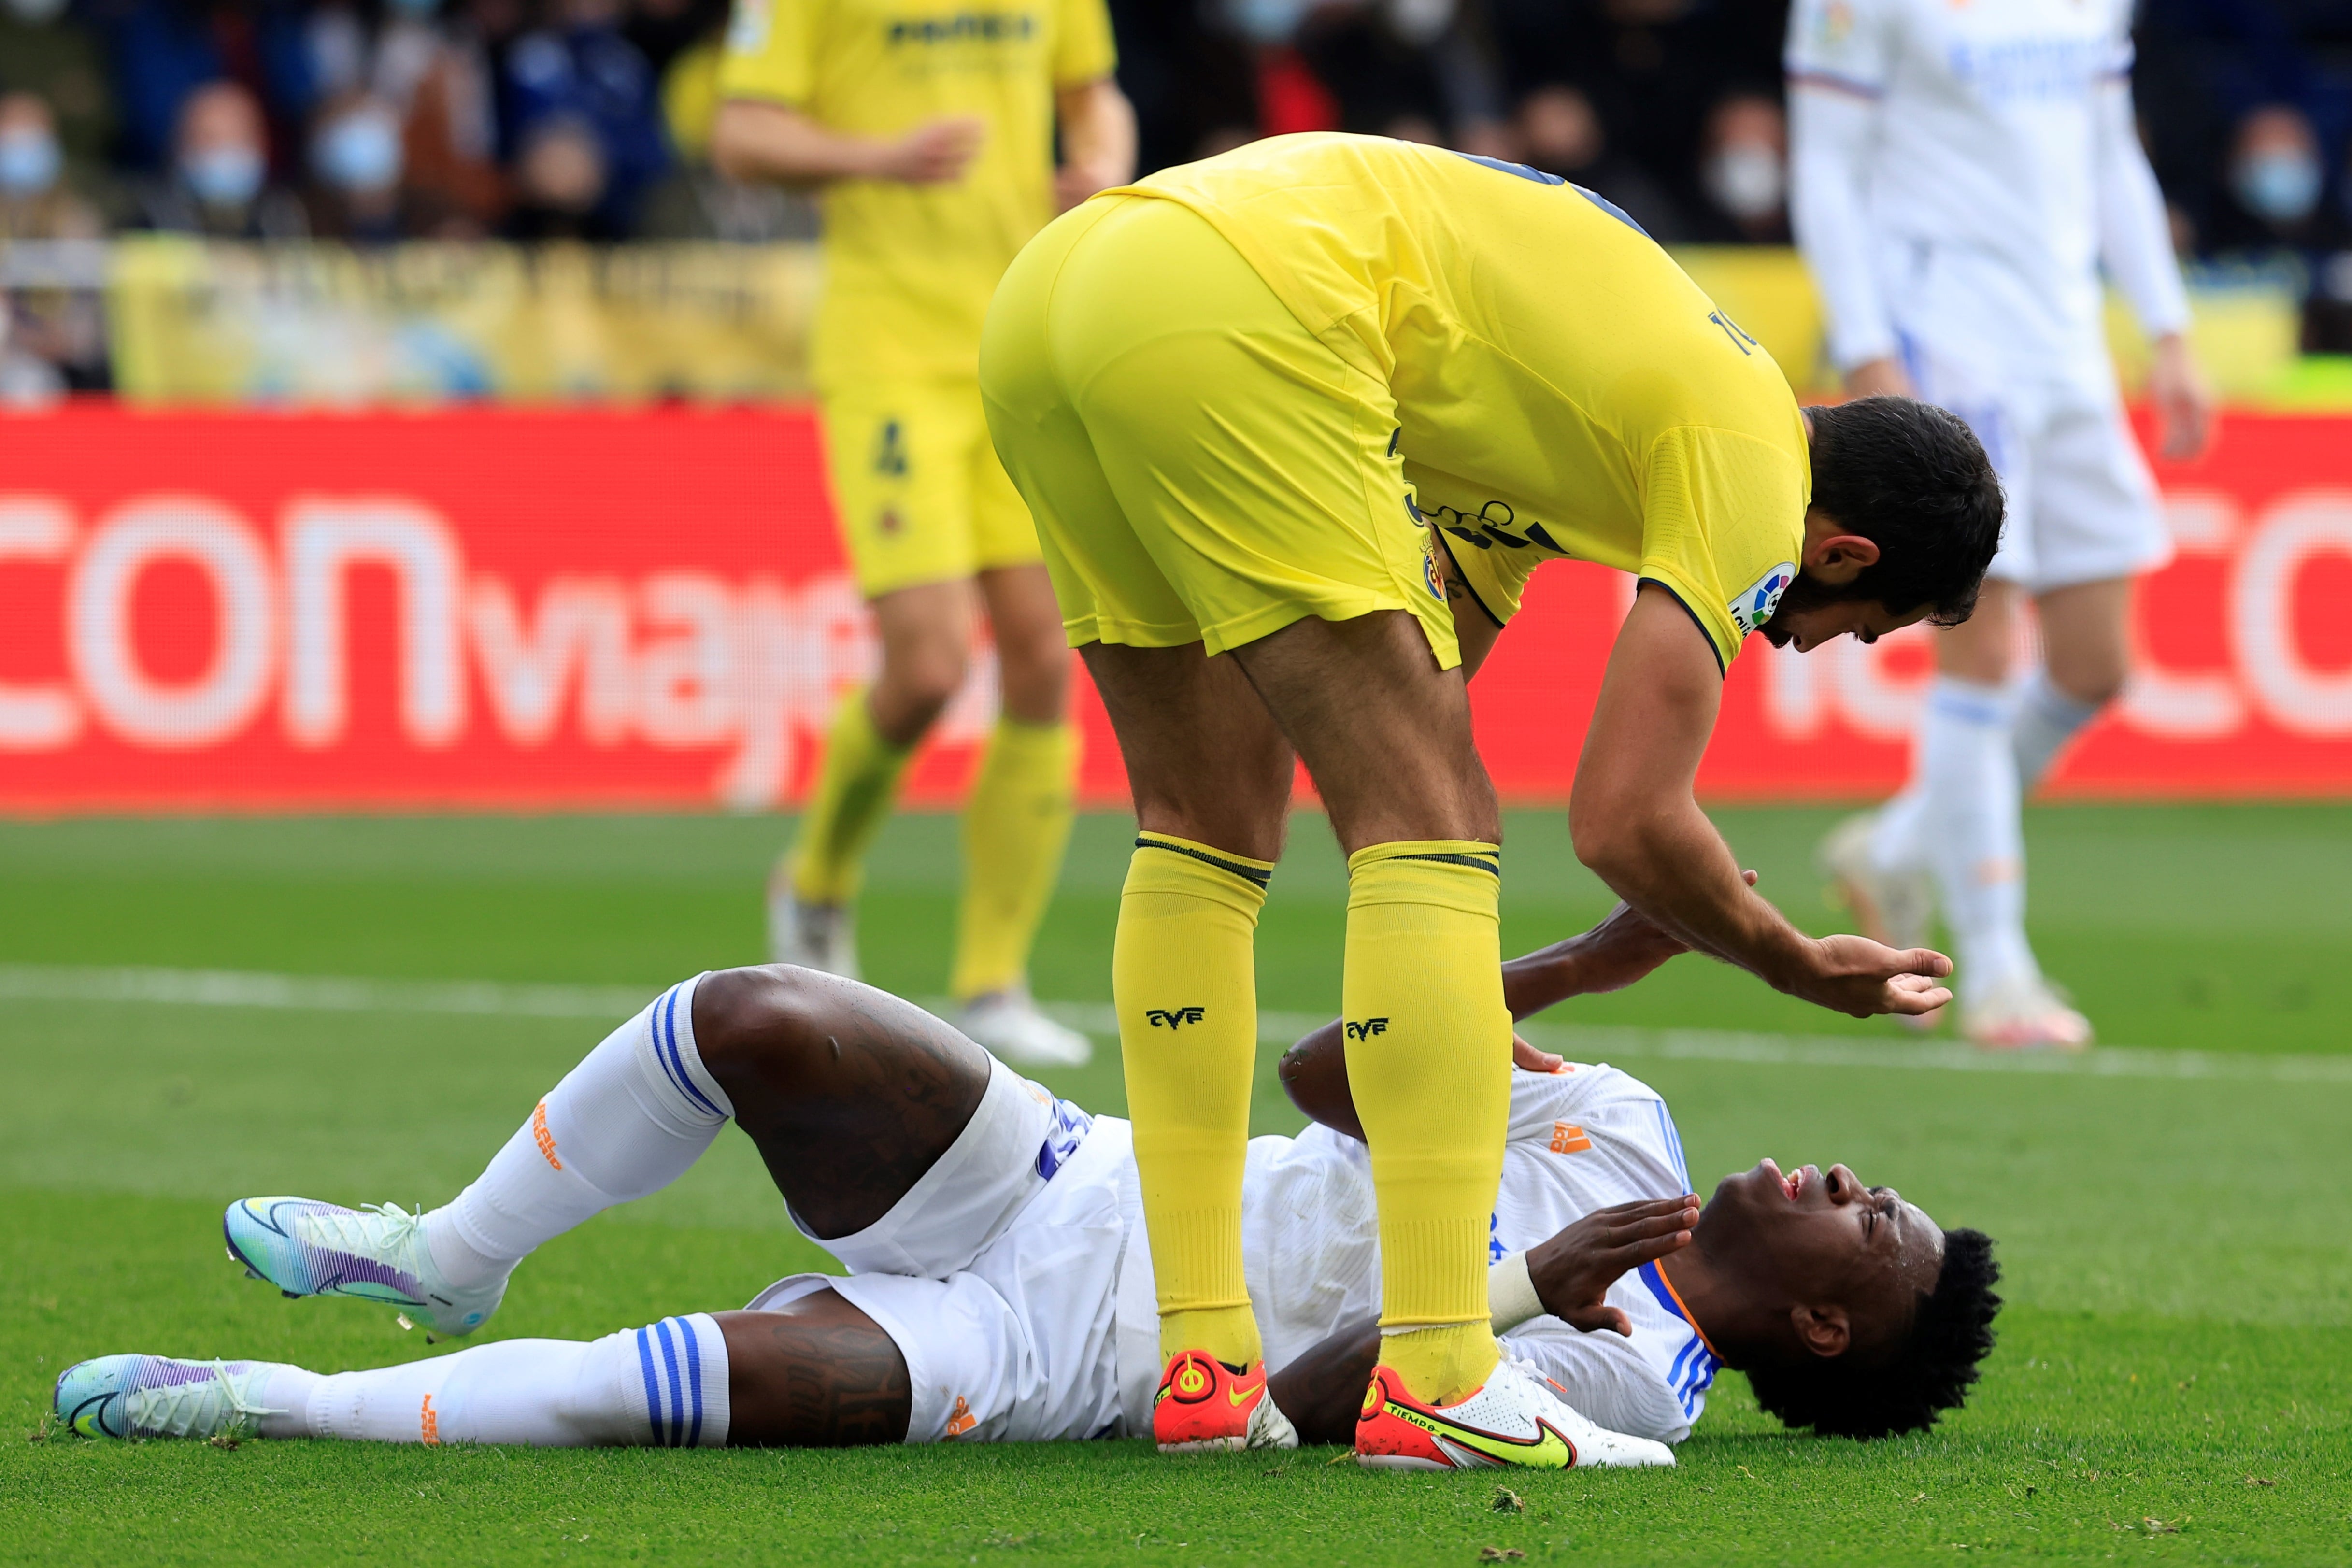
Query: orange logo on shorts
[[1568, 1137], [429, 1425], [542, 1137], [962, 1420]]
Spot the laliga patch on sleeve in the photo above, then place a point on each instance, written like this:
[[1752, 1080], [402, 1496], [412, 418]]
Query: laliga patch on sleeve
[[747, 29], [1753, 606]]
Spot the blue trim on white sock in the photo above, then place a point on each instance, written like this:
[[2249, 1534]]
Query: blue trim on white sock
[[653, 1389], [676, 1393], [672, 1060], [693, 1377]]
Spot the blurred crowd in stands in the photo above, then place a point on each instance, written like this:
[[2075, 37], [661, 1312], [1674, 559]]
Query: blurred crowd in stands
[[372, 121]]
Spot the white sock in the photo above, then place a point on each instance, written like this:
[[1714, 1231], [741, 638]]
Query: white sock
[[628, 1121], [2045, 720], [1974, 835], [664, 1385]]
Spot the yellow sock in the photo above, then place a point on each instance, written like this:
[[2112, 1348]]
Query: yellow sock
[[1016, 825], [1429, 1064], [856, 787], [1184, 977]]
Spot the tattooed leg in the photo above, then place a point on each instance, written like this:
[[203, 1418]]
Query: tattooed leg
[[817, 1375], [850, 1093]]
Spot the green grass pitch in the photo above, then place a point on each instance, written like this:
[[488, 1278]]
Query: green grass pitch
[[2173, 1381]]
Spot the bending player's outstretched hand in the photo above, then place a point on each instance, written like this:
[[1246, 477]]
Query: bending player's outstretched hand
[[1573, 1270], [1856, 975]]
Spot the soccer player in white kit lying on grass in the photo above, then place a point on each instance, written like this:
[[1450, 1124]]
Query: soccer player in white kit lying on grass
[[999, 1287], [1960, 174]]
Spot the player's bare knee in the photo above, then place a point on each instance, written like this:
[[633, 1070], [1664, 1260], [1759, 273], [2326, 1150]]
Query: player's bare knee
[[750, 1025]]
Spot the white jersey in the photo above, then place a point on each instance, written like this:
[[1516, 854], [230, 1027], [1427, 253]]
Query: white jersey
[[1016, 1274], [1959, 173], [1580, 1140]]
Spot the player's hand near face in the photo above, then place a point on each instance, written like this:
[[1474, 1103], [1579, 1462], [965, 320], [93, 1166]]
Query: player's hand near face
[[2184, 404], [1573, 1270]]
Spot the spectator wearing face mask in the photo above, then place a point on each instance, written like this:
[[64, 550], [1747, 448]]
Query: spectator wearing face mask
[[52, 339], [44, 48], [431, 73], [218, 182], [355, 160], [1744, 171], [162, 52], [2276, 177]]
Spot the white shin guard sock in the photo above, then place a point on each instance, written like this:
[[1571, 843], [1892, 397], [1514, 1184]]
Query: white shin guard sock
[[1898, 843], [663, 1385], [2045, 719], [628, 1121], [1974, 835]]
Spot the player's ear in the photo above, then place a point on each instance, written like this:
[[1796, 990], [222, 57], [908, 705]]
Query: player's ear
[[1825, 1331], [1832, 555]]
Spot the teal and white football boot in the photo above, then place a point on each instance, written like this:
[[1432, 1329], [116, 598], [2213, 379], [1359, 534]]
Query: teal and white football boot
[[306, 1248], [155, 1396]]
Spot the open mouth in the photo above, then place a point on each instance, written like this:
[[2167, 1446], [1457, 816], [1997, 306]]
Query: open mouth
[[1794, 1181]]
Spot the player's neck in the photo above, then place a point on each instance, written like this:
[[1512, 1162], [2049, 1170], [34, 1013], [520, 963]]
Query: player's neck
[[1700, 1287]]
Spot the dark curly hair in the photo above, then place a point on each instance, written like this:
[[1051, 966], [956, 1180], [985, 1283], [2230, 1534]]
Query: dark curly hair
[[1928, 1375], [1914, 480]]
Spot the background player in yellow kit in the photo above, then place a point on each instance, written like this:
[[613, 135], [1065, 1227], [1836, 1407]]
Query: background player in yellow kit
[[929, 126], [1230, 396]]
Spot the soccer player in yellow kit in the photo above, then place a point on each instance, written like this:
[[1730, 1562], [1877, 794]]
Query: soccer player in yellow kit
[[1321, 403], [929, 127]]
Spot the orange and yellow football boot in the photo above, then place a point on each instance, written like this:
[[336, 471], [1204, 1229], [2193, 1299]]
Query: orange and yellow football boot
[[1515, 1417], [1205, 1407]]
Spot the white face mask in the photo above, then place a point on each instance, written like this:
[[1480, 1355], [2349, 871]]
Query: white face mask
[[36, 12], [2278, 187], [224, 176], [1748, 179], [29, 160], [359, 152]]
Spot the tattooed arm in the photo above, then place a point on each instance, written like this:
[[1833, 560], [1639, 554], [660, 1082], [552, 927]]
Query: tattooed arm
[[1474, 629], [817, 1375]]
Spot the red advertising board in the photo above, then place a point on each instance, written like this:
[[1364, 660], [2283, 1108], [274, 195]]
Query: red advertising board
[[541, 608]]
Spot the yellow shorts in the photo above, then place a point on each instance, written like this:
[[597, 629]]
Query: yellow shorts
[[917, 486], [1200, 468]]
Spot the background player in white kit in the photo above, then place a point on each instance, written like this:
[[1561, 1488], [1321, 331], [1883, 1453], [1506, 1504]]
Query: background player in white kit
[[1960, 173]]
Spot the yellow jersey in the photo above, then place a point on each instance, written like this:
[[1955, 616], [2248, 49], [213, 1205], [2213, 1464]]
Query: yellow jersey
[[1562, 388], [910, 268]]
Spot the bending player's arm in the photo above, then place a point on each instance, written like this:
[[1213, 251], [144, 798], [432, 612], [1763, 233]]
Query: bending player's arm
[[1636, 824], [1323, 1390], [757, 139], [2136, 245], [1098, 127]]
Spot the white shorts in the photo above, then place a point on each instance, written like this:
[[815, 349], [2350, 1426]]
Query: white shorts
[[2081, 506], [997, 1274]]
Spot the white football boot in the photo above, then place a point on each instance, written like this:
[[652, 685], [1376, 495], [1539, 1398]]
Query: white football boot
[[132, 1396], [1008, 1024], [814, 936], [1897, 909], [2023, 1012], [306, 1248]]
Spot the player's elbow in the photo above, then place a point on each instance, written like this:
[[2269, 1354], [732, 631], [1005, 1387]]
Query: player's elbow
[[1608, 839]]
